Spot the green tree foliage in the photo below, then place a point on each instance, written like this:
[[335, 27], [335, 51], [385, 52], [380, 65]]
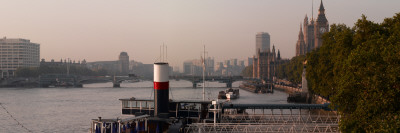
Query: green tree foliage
[[324, 64], [291, 70], [27, 72], [359, 69], [248, 71]]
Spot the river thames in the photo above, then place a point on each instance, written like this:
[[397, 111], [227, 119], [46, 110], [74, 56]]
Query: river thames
[[52, 110]]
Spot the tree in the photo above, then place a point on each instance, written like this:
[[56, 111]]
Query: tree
[[27, 72], [292, 70], [359, 69]]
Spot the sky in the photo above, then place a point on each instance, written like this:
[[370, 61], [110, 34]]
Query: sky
[[98, 30]]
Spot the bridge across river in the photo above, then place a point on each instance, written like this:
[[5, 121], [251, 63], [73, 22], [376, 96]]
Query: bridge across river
[[228, 80], [64, 80]]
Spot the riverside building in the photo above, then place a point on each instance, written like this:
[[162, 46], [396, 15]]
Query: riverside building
[[16, 53]]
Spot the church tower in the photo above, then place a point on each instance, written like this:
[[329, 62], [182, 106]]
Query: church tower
[[321, 26]]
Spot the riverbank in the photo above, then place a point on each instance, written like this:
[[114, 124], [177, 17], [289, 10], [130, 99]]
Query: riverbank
[[315, 98]]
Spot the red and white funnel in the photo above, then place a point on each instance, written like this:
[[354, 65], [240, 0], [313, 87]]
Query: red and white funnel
[[161, 88]]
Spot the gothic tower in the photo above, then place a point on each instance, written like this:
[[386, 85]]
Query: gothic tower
[[305, 32], [310, 36], [321, 26], [301, 48]]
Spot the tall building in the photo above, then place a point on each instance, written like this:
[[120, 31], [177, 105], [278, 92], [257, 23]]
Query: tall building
[[16, 53], [209, 62], [263, 42], [241, 63], [312, 32], [321, 26], [123, 63], [308, 33], [249, 61], [193, 67]]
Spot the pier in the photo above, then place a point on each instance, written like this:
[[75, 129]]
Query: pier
[[271, 118]]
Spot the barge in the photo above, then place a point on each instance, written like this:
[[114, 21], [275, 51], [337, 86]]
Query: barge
[[257, 87], [229, 94]]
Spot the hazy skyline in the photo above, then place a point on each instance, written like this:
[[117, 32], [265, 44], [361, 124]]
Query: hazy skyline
[[99, 30]]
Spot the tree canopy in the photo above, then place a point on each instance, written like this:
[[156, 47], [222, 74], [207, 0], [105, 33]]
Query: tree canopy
[[291, 70], [359, 68]]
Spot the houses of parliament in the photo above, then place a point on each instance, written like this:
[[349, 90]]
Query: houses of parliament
[[310, 35]]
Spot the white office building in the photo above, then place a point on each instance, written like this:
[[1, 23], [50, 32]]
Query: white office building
[[16, 53]]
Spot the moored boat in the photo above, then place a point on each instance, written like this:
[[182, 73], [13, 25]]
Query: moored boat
[[222, 95], [232, 93]]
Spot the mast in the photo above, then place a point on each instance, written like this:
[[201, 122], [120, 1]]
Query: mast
[[204, 67], [68, 67]]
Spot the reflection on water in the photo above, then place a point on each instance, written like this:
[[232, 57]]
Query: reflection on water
[[71, 109]]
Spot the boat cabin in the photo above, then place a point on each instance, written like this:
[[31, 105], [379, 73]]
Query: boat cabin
[[177, 108]]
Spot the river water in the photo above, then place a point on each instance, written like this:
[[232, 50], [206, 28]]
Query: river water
[[52, 110]]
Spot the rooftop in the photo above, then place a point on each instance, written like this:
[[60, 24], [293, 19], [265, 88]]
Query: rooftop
[[14, 40]]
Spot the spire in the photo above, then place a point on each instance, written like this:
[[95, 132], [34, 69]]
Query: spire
[[305, 20], [321, 14], [312, 10], [301, 29], [279, 55], [321, 7], [300, 43], [273, 48], [301, 36]]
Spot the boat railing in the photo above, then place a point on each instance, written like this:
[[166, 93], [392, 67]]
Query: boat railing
[[132, 106], [137, 123], [137, 105]]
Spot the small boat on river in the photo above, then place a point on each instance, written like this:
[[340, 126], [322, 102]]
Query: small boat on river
[[229, 94]]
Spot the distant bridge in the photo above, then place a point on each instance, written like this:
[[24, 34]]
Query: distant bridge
[[228, 80], [59, 80], [64, 80], [117, 80]]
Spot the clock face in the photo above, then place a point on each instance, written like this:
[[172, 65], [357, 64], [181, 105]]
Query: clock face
[[322, 30]]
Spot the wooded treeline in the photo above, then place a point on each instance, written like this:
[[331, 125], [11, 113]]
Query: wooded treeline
[[359, 68]]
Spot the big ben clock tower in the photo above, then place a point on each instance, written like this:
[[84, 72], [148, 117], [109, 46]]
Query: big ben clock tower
[[321, 26]]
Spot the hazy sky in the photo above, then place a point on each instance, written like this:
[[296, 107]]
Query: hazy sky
[[98, 30]]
